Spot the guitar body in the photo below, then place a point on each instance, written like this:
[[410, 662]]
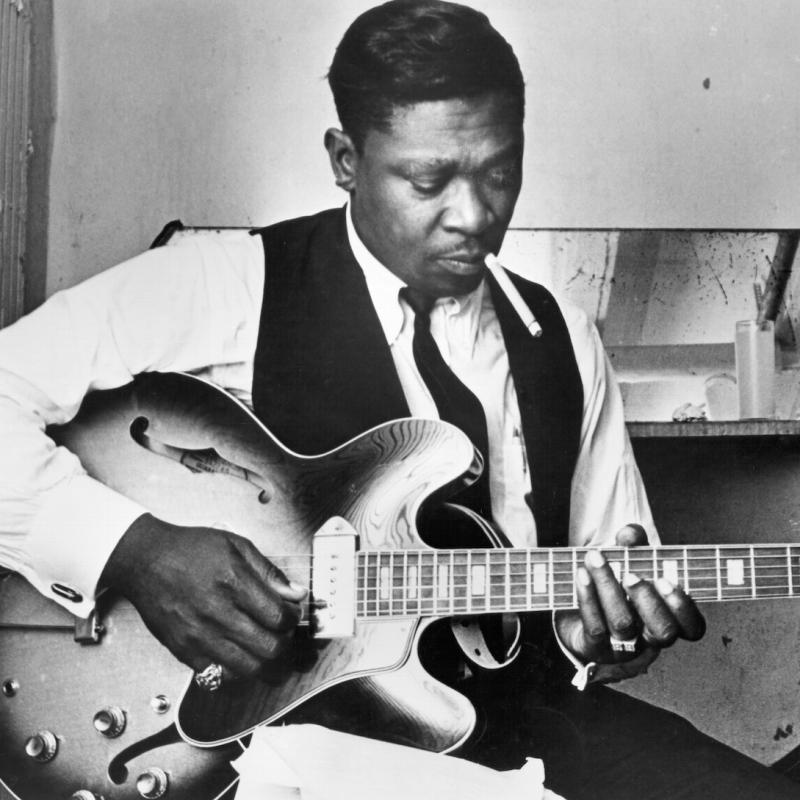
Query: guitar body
[[59, 685], [192, 455]]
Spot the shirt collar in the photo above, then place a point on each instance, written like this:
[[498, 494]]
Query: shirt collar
[[384, 289]]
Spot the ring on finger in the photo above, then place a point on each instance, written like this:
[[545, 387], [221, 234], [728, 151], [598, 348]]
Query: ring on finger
[[210, 679], [622, 645]]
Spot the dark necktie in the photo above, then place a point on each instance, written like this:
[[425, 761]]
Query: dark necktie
[[454, 401]]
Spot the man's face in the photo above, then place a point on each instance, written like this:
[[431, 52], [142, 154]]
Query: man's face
[[435, 194]]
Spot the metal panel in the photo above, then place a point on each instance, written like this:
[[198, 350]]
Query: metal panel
[[15, 49]]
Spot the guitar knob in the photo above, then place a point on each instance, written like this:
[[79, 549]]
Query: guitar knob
[[42, 746], [152, 784], [84, 794], [160, 704], [109, 721]]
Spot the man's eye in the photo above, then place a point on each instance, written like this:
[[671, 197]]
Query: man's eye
[[503, 177], [431, 186]]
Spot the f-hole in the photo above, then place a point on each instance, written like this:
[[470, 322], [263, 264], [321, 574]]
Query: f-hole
[[200, 460], [117, 769]]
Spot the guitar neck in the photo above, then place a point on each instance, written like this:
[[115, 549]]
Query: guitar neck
[[400, 583]]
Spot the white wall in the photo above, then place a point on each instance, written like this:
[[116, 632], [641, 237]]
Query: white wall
[[214, 113]]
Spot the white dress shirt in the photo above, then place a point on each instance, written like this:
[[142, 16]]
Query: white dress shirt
[[195, 306]]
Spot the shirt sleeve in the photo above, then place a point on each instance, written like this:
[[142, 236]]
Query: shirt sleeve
[[183, 307], [607, 488]]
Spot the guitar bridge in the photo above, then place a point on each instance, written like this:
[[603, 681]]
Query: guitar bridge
[[333, 585]]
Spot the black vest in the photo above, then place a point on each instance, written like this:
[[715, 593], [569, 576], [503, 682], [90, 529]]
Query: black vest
[[324, 372]]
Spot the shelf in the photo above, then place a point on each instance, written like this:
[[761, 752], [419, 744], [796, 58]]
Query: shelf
[[750, 427]]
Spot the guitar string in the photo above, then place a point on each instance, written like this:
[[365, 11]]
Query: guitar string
[[562, 572], [562, 556]]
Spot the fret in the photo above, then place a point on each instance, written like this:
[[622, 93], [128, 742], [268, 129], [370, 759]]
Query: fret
[[508, 579], [452, 584], [615, 557], [361, 586], [365, 590], [686, 587], [719, 575], [795, 567], [487, 579], [552, 578], [753, 573], [461, 581], [669, 571], [771, 578], [540, 582], [385, 583], [574, 570], [497, 579], [472, 589], [636, 560], [427, 582], [412, 583], [540, 579], [789, 570], [655, 563], [404, 583], [563, 578], [442, 583], [372, 585], [528, 579], [390, 604], [703, 566], [435, 590], [671, 562], [398, 584], [518, 592], [375, 602], [736, 573]]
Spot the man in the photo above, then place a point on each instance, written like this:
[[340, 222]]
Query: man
[[323, 325]]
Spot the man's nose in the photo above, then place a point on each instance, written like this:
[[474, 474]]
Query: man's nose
[[467, 209]]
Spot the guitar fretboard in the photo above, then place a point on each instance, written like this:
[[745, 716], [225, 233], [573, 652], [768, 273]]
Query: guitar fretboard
[[398, 583]]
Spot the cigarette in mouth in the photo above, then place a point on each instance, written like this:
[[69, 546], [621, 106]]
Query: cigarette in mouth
[[510, 291]]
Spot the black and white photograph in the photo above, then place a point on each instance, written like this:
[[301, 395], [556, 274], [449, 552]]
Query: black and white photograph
[[399, 400]]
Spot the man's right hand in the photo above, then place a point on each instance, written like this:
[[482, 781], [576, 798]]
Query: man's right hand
[[206, 594]]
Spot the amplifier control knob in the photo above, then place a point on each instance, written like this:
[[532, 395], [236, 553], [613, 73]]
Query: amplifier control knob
[[84, 794], [109, 721], [42, 746], [152, 784]]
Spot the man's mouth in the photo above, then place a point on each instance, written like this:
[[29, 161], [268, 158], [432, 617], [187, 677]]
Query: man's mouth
[[464, 259]]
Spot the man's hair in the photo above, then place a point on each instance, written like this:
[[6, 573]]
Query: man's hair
[[409, 51]]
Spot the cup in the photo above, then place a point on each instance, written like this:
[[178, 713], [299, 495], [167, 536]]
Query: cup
[[755, 368]]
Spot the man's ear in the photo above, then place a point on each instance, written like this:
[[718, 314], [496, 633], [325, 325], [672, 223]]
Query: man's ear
[[343, 156]]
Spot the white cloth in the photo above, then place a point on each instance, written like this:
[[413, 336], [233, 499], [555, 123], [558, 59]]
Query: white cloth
[[311, 763], [196, 306]]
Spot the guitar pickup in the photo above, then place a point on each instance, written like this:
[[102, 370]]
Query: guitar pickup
[[333, 580]]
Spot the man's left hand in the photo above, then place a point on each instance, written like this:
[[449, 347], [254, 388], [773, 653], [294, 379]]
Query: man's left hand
[[617, 622]]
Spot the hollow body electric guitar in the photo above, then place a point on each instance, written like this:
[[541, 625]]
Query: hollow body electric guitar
[[99, 709]]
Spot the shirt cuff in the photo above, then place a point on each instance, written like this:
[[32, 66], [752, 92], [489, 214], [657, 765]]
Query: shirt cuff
[[605, 673], [584, 673], [72, 537]]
